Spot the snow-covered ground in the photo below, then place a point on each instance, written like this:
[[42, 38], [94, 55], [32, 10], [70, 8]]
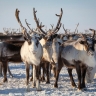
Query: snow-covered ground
[[16, 86]]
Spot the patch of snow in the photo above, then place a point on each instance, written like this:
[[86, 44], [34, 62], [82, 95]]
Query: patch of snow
[[16, 86]]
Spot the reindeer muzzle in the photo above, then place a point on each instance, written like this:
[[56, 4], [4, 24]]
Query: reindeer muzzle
[[34, 52]]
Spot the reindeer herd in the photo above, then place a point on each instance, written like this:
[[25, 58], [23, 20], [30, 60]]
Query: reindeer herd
[[50, 51]]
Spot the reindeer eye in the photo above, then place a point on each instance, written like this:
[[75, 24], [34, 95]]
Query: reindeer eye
[[37, 43]]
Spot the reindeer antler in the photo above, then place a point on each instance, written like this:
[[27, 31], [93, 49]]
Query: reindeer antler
[[17, 17], [37, 22], [94, 32], [24, 31], [58, 23], [28, 25], [52, 25], [64, 29], [30, 28], [76, 27]]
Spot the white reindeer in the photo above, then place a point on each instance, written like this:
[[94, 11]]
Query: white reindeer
[[31, 54], [76, 55]]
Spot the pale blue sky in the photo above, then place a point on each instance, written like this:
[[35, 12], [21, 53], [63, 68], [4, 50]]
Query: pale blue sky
[[74, 11]]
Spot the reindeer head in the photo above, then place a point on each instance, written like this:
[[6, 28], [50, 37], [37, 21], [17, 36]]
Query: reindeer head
[[51, 33], [88, 46], [91, 41], [32, 42]]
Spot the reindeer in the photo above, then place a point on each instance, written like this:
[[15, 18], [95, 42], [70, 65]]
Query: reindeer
[[8, 53], [91, 71], [6, 31], [70, 36], [76, 55], [46, 43], [31, 53], [13, 40]]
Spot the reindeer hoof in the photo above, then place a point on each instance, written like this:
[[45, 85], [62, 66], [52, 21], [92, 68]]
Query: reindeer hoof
[[55, 85], [79, 90], [84, 89], [39, 89], [42, 79], [74, 86], [31, 79], [5, 80], [47, 82], [28, 88], [34, 85]]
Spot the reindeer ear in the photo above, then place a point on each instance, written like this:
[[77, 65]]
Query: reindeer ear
[[59, 43], [94, 41], [26, 36], [82, 42], [54, 36], [29, 42], [39, 38]]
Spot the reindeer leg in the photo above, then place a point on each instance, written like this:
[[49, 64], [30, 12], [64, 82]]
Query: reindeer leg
[[59, 66], [27, 77], [34, 76], [78, 70], [37, 78], [31, 74], [58, 69], [57, 76], [47, 73], [4, 65], [1, 69], [42, 65], [10, 72], [43, 77], [71, 77], [50, 69], [54, 70], [83, 76]]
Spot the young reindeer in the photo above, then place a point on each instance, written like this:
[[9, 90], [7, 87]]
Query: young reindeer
[[46, 43], [31, 54]]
